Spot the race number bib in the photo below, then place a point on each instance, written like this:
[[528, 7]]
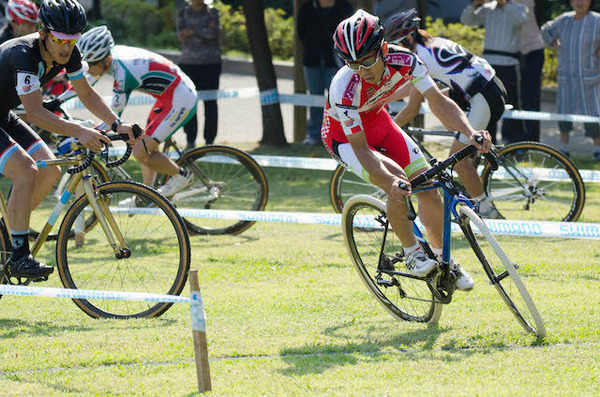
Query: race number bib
[[27, 83]]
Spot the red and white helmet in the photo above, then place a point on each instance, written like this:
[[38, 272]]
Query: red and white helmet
[[357, 36], [21, 11]]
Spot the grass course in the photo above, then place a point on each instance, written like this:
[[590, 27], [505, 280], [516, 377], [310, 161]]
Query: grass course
[[287, 315]]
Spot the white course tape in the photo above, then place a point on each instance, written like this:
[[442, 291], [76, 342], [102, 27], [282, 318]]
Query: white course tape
[[273, 96], [6, 289], [197, 313], [324, 164], [502, 227]]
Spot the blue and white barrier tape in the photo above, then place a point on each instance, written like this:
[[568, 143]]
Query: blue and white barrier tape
[[272, 96], [502, 227], [6, 289], [325, 164]]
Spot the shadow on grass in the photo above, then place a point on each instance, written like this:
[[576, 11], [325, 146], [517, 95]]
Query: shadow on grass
[[318, 359], [17, 328]]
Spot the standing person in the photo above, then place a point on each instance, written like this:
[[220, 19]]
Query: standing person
[[384, 9], [26, 63], [472, 84], [576, 34], [21, 17], [532, 63], [502, 20], [317, 20], [137, 69], [360, 134], [198, 29]]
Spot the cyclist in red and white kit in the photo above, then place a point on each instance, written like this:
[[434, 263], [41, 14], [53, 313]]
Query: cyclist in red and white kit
[[360, 134], [148, 72]]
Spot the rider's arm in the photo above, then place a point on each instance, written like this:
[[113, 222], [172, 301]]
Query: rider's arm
[[38, 115], [452, 116], [411, 109], [94, 102]]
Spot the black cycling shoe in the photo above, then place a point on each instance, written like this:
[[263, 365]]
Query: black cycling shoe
[[29, 267]]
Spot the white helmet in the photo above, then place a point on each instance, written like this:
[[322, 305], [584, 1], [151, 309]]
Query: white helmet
[[95, 44]]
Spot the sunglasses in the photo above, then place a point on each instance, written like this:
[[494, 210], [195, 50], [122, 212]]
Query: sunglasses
[[55, 39], [367, 63]]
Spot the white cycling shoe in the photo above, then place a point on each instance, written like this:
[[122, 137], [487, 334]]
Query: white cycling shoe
[[175, 184], [419, 264]]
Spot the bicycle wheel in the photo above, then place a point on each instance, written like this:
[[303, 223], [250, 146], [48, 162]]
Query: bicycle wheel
[[502, 273], [159, 244], [404, 296], [5, 251], [535, 182], [345, 184], [225, 178]]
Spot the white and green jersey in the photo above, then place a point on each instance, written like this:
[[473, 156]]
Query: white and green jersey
[[141, 70]]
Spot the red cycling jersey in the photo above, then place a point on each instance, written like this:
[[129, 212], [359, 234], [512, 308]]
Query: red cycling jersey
[[353, 105]]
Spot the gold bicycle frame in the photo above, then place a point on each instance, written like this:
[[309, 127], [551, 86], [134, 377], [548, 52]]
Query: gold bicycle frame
[[99, 205]]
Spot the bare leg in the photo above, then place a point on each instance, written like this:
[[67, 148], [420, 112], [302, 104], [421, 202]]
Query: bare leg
[[21, 169], [154, 162], [46, 178], [467, 173]]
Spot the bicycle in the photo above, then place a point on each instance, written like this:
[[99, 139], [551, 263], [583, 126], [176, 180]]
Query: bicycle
[[225, 178], [145, 249], [378, 256], [534, 182]]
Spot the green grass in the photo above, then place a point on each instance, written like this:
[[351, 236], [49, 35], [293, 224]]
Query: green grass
[[287, 315]]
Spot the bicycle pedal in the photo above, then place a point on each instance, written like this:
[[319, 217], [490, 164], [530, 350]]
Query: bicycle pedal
[[385, 283]]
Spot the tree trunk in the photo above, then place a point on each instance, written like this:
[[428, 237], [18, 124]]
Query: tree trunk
[[273, 133], [299, 83]]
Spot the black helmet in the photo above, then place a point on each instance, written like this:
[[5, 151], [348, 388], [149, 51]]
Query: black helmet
[[400, 25], [64, 16]]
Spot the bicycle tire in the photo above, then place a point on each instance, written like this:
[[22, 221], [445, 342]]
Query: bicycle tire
[[5, 251], [236, 182], [535, 182], [345, 184], [160, 253], [502, 273], [404, 297]]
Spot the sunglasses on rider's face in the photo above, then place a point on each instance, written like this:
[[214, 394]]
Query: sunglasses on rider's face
[[55, 39], [366, 63]]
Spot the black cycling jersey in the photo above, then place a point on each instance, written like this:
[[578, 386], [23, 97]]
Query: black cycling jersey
[[22, 69], [6, 33]]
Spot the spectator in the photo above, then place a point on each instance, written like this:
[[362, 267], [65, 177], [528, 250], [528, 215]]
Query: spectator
[[576, 34], [502, 20], [532, 63], [21, 19], [198, 29], [317, 20], [386, 8]]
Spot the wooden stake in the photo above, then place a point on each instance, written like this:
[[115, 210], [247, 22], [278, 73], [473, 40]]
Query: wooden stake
[[199, 334]]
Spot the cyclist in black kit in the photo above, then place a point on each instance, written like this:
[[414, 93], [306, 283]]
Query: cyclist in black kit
[[26, 63]]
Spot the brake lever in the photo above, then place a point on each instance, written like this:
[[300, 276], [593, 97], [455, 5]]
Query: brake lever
[[411, 215]]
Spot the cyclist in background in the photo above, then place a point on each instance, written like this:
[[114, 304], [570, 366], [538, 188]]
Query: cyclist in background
[[25, 64], [21, 17], [175, 93], [471, 82], [360, 134]]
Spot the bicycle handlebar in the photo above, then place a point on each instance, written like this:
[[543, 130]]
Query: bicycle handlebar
[[137, 132], [438, 167]]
